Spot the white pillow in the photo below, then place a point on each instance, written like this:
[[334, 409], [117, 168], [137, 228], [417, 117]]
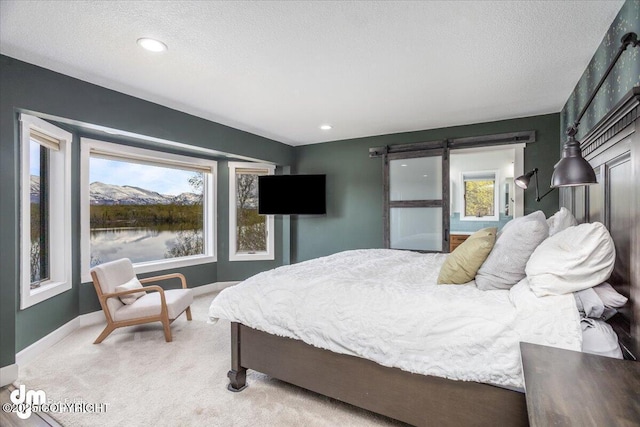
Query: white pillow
[[504, 267], [577, 258], [561, 220], [131, 284]]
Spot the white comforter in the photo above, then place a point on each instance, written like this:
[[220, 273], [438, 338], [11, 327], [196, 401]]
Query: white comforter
[[384, 305]]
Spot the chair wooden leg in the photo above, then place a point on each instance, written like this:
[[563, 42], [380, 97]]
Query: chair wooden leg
[[167, 330], [105, 333], [188, 313]]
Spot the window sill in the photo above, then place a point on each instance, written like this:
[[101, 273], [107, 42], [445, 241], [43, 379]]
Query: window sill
[[45, 291], [152, 266], [252, 257], [480, 218]]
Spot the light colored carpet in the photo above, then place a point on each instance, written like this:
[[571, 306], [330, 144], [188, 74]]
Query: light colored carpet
[[146, 381]]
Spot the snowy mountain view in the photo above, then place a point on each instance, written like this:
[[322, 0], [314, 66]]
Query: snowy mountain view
[[107, 194]]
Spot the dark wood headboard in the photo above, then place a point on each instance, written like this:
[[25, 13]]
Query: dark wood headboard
[[613, 149]]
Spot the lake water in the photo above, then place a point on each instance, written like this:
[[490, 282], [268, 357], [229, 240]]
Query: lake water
[[139, 244]]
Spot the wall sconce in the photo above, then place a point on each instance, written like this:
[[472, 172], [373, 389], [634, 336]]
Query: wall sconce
[[524, 180], [573, 169]]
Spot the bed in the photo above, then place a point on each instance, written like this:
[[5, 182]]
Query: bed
[[379, 381]]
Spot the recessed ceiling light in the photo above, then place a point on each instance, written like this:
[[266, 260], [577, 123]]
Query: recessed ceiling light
[[152, 45], [403, 165], [326, 127]]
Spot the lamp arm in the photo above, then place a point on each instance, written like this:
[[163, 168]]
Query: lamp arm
[[627, 39], [541, 197]]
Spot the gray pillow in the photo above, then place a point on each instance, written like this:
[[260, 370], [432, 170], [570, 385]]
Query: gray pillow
[[589, 303], [598, 337], [504, 267]]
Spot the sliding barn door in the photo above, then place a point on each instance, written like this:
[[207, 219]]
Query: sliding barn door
[[417, 200]]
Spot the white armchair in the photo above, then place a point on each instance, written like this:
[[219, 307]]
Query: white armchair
[[116, 282]]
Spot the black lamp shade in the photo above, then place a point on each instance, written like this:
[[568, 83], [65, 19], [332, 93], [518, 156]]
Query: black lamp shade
[[572, 170], [523, 180]]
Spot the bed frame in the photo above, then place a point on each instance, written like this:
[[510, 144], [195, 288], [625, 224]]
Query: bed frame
[[613, 148]]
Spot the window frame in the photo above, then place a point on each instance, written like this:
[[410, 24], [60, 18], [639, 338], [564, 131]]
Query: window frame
[[496, 196], [269, 254], [59, 213], [160, 158]]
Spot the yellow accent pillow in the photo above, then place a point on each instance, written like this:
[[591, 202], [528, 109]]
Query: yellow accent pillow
[[464, 262]]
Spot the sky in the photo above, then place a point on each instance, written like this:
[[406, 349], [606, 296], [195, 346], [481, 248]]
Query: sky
[[164, 180], [34, 158]]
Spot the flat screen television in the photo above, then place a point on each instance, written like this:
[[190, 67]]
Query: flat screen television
[[292, 195]]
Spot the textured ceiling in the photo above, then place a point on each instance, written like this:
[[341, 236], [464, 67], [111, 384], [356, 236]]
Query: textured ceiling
[[281, 69]]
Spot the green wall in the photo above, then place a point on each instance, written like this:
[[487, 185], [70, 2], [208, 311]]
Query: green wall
[[354, 182], [624, 76], [54, 96]]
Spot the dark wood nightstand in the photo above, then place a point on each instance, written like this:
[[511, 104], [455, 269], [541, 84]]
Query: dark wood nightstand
[[456, 240], [570, 388]]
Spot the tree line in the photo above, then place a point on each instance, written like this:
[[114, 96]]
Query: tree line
[[107, 216]]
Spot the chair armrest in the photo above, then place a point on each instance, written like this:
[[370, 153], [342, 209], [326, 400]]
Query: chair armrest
[[133, 291], [144, 288], [165, 277]]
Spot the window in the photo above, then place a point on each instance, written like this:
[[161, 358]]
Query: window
[[39, 210], [480, 196], [152, 207], [45, 211], [416, 202], [250, 234]]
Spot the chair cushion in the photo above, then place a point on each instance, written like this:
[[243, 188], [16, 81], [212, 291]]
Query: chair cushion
[[111, 275], [149, 305], [130, 285], [114, 273]]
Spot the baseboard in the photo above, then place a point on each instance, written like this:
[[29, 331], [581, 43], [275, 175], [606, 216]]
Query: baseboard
[[97, 317], [212, 287], [8, 374], [43, 344], [93, 318]]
